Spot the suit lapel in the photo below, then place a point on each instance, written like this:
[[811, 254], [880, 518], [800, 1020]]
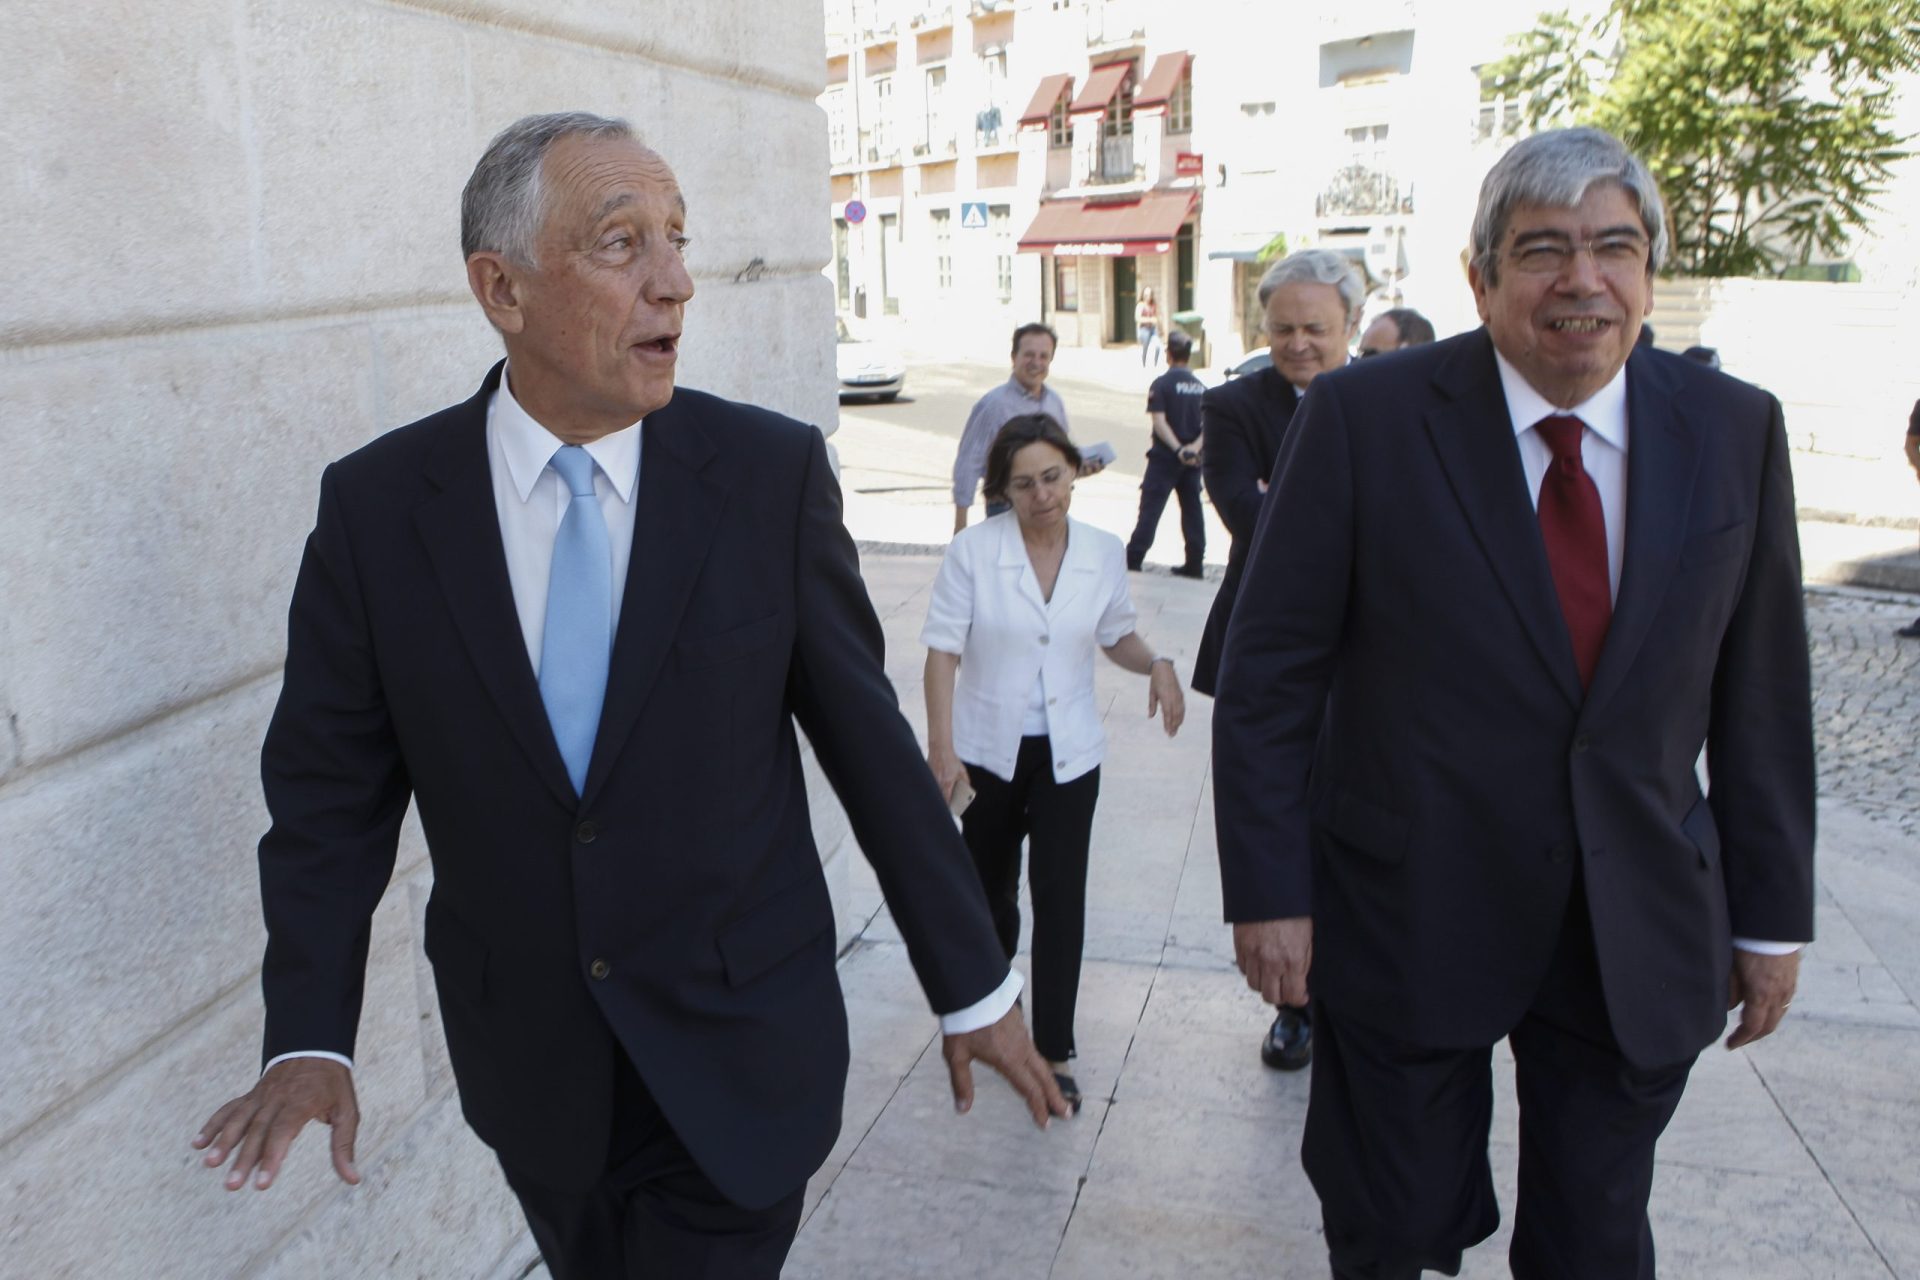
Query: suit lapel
[[461, 530], [1273, 426], [680, 500], [1472, 432], [1012, 558], [1663, 453]]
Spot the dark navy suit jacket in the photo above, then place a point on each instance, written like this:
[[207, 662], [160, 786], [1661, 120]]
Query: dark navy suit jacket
[[1402, 748], [677, 910]]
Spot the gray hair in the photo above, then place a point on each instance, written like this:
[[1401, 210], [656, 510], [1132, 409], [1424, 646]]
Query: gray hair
[[504, 204], [1555, 169], [1318, 266]]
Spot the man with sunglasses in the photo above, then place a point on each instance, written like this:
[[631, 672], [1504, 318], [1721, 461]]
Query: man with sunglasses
[[1507, 588]]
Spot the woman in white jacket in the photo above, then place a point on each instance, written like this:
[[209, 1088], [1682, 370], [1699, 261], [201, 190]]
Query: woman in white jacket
[[1021, 602]]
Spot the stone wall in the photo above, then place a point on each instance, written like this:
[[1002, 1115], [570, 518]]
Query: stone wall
[[233, 255]]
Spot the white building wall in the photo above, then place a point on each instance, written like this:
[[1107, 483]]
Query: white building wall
[[233, 255]]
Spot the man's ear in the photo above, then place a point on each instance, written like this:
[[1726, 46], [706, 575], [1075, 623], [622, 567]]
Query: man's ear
[[496, 284], [1478, 282]]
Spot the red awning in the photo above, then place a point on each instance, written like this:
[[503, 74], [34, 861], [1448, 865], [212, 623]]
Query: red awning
[[1160, 82], [1109, 229], [1100, 88], [1051, 87]]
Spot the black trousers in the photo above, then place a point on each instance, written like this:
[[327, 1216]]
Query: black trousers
[[1058, 821], [1396, 1139], [654, 1215], [1165, 476]]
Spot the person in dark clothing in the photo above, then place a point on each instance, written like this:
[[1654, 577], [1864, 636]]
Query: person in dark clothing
[[1173, 460], [1310, 304], [1912, 630]]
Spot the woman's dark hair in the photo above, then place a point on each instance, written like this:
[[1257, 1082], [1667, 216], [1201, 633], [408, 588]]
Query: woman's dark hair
[[1028, 428]]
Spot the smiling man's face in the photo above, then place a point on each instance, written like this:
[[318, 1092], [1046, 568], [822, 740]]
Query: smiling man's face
[[1569, 331], [600, 315]]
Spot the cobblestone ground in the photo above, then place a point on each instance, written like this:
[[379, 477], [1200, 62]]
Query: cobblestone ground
[[1866, 704]]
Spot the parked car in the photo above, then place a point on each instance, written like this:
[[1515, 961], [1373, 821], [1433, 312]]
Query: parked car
[[1252, 362], [867, 369]]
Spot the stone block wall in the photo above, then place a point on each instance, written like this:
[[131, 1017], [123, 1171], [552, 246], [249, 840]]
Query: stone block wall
[[233, 254]]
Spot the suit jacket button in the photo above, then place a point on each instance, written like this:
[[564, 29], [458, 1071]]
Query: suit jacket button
[[1582, 742], [599, 969], [585, 832], [1043, 640]]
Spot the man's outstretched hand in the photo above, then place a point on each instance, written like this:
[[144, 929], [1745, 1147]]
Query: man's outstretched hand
[[258, 1127], [1007, 1048]]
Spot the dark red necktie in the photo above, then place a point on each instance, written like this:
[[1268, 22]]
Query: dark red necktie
[[1575, 531]]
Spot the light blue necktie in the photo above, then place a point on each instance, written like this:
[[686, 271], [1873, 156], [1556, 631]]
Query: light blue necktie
[[578, 643]]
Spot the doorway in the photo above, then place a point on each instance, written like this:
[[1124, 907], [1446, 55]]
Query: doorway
[[1126, 287]]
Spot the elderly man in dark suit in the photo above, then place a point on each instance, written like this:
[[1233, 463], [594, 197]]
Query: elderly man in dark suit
[[1506, 588], [575, 619], [1310, 305]]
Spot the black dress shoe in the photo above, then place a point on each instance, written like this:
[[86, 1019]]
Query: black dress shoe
[[1911, 631], [1190, 571], [1288, 1044], [1069, 1089]]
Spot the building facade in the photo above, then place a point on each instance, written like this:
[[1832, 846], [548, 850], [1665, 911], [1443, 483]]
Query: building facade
[[1004, 160]]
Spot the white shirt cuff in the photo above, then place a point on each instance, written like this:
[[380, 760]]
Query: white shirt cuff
[[342, 1059], [984, 1013], [1766, 948]]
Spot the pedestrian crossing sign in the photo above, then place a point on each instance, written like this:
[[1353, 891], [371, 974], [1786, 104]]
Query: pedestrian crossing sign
[[973, 214]]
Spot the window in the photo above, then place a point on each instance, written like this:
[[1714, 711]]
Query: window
[[990, 119], [1180, 105], [838, 149], [939, 142], [842, 269], [889, 263], [1367, 146], [1499, 115], [1118, 122], [1066, 284], [1059, 127], [1000, 230], [880, 149], [942, 223]]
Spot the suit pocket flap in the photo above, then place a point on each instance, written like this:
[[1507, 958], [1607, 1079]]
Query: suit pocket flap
[[711, 651], [1364, 826], [774, 929]]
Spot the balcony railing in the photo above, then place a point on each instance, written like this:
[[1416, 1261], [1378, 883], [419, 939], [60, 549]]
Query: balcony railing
[[937, 143], [981, 8], [1358, 191], [931, 17], [1116, 160], [878, 147]]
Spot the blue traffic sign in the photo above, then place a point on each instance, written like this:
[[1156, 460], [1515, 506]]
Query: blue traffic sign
[[973, 215], [856, 212]]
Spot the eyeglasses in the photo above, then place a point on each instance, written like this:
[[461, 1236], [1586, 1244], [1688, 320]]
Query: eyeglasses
[[1614, 255]]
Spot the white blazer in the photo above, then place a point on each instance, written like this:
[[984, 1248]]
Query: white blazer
[[987, 608]]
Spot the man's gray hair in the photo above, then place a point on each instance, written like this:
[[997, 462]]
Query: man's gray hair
[[1556, 169], [504, 204], [1318, 266]]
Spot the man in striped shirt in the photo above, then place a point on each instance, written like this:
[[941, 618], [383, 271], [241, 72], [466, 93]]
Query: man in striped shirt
[[1025, 392]]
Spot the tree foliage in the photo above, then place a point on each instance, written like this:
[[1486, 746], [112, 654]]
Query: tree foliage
[[1766, 122]]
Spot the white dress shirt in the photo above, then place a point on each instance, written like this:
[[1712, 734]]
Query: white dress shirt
[[1603, 453], [531, 499]]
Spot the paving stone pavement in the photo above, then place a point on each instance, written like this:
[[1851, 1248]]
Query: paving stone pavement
[[1798, 1157], [1866, 701]]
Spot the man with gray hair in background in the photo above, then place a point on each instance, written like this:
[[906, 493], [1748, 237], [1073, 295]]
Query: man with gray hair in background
[[1505, 589], [1310, 305], [631, 938]]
